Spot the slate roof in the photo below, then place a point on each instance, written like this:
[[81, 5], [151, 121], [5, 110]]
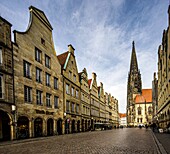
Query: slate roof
[[62, 58]]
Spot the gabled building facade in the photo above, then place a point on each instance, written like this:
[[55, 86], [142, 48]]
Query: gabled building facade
[[38, 80], [102, 105], [71, 91], [94, 99], [85, 101], [163, 114], [7, 103]]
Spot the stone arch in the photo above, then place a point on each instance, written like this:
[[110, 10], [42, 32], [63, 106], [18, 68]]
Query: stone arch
[[50, 126], [85, 125], [78, 126], [59, 126], [38, 127], [67, 126], [82, 125], [5, 130], [73, 126], [23, 127]]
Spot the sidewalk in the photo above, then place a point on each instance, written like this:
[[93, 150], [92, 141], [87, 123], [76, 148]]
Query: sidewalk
[[164, 139]]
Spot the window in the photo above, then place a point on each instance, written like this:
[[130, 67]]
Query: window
[[39, 97], [72, 107], [77, 93], [48, 103], [149, 110], [1, 87], [139, 110], [38, 75], [77, 108], [27, 69], [47, 79], [27, 94], [67, 106], [72, 91], [70, 74], [47, 61], [38, 55], [67, 89], [56, 99], [55, 83], [42, 41], [74, 78], [0, 55]]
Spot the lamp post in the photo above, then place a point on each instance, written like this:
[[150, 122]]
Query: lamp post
[[13, 109]]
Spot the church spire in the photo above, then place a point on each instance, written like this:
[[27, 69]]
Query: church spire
[[134, 63]]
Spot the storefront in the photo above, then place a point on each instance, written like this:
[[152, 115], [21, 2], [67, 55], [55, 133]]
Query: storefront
[[23, 127]]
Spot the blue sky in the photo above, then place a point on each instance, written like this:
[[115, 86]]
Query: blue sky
[[101, 31]]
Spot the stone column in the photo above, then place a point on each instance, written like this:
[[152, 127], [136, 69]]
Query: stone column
[[30, 128]]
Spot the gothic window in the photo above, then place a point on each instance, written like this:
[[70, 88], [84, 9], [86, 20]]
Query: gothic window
[[149, 110], [139, 110]]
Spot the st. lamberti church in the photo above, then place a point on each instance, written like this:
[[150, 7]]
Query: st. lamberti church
[[139, 101]]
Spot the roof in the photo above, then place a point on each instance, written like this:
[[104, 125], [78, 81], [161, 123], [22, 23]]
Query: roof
[[146, 96], [139, 99], [122, 115], [147, 93], [89, 82], [62, 58]]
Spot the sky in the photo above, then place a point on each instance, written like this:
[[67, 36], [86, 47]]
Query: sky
[[101, 31]]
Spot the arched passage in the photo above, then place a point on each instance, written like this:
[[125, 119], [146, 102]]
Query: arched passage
[[67, 126], [23, 127], [73, 126], [50, 127], [82, 125], [85, 125], [5, 131], [38, 127], [78, 126], [59, 126]]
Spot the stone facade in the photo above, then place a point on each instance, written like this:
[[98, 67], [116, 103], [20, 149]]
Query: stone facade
[[7, 104], [38, 80], [85, 100], [71, 91], [163, 114], [50, 97]]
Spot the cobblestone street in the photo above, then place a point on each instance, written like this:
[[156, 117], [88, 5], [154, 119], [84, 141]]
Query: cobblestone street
[[116, 141]]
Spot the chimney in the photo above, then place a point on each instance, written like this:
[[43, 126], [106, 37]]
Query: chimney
[[101, 85], [94, 76], [71, 49]]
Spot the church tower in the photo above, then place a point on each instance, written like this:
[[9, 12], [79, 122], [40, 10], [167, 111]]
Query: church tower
[[134, 86]]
